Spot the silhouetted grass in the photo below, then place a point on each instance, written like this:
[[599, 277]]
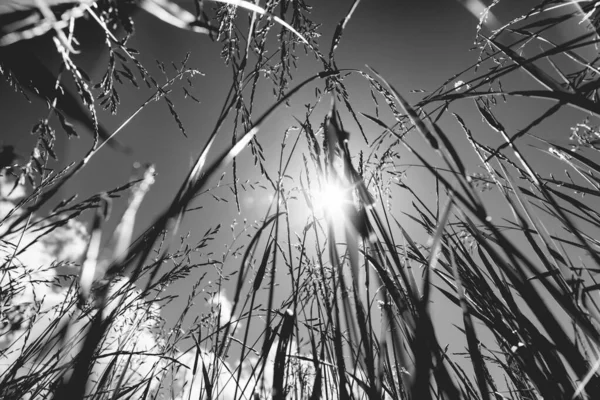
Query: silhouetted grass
[[342, 304]]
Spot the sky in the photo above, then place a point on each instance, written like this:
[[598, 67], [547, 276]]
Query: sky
[[413, 44]]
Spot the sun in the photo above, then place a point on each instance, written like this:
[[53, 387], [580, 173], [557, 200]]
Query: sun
[[331, 199]]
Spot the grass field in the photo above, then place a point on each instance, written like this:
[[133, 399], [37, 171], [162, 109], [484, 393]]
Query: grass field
[[439, 249]]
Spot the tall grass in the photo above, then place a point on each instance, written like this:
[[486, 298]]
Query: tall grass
[[342, 305]]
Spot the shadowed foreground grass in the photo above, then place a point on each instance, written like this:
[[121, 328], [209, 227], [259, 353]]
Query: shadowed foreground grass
[[341, 304]]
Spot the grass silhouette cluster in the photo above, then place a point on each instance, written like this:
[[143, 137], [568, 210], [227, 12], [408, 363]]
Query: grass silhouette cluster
[[83, 320]]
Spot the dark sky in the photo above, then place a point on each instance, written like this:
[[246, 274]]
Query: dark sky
[[414, 44]]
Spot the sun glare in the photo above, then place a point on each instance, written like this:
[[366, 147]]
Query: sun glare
[[331, 200]]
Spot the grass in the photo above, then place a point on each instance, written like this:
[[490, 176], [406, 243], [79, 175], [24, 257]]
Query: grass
[[362, 279]]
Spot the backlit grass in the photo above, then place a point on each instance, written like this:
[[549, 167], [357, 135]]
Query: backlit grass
[[393, 258]]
